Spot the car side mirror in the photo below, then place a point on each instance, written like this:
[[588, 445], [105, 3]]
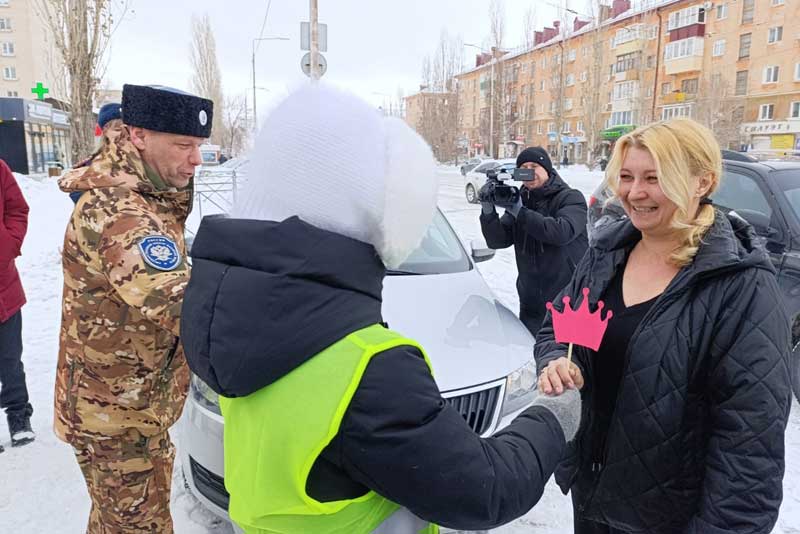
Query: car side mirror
[[480, 251]]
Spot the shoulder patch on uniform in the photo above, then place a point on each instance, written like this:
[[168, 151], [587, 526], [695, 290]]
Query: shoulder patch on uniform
[[160, 252]]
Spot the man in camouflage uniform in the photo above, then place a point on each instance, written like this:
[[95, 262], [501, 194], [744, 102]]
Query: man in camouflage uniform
[[122, 377]]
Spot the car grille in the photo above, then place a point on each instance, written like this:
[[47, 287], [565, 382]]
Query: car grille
[[477, 408], [211, 486]]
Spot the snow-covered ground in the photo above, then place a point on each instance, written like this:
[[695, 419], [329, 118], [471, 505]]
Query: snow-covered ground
[[42, 488]]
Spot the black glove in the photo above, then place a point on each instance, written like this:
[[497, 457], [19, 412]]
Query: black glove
[[484, 194]]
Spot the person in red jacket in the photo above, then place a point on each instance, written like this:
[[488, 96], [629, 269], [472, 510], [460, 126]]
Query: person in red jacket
[[13, 392]]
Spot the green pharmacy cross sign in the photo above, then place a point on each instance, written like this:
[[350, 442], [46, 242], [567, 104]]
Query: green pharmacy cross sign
[[40, 90]]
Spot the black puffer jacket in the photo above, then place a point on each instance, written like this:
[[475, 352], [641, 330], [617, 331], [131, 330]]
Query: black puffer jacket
[[549, 238], [696, 442], [265, 297]]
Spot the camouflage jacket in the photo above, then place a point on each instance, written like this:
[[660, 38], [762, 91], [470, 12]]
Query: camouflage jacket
[[120, 363]]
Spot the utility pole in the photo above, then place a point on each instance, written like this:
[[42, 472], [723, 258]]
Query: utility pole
[[491, 109], [314, 19]]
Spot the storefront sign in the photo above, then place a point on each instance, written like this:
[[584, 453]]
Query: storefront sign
[[782, 141], [771, 127], [37, 110], [615, 132], [60, 118]]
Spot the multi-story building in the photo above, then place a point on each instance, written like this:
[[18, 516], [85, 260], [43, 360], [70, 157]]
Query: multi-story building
[[27, 55], [734, 65]]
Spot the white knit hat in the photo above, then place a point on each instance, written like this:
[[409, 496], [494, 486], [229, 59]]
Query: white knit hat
[[337, 163]]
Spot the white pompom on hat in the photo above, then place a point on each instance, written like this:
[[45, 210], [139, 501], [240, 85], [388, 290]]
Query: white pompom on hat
[[331, 159]]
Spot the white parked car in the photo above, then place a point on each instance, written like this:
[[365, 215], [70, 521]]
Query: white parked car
[[476, 178], [481, 353]]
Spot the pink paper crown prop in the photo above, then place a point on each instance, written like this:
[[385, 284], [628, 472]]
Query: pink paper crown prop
[[580, 326]]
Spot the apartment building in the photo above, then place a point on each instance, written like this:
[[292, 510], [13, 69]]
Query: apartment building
[[732, 64], [27, 55]]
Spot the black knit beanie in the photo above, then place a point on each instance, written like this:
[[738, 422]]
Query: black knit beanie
[[537, 155]]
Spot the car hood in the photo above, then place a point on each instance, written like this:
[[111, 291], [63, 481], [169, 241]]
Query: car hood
[[469, 336]]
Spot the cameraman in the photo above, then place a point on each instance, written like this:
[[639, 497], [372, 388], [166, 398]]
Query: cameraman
[[546, 223]]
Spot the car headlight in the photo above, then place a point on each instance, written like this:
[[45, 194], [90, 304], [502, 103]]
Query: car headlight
[[520, 388], [204, 395]]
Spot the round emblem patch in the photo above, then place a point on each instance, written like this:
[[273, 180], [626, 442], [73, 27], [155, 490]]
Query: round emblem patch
[[160, 252], [203, 117]]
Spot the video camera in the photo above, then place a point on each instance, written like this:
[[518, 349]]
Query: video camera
[[496, 192]]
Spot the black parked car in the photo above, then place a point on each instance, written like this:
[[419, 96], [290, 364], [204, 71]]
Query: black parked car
[[767, 195]]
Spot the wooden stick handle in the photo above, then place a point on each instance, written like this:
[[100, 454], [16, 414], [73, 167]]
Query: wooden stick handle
[[569, 354]]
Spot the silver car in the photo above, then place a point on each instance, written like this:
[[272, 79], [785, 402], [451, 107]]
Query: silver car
[[476, 178], [482, 355]]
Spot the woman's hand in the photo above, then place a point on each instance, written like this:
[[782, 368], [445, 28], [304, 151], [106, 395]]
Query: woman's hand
[[560, 374]]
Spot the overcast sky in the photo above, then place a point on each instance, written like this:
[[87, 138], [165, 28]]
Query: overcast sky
[[374, 46]]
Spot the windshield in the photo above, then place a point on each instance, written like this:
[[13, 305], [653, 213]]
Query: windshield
[[440, 252], [209, 157], [788, 182]]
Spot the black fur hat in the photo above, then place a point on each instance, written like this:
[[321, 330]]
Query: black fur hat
[[164, 109]]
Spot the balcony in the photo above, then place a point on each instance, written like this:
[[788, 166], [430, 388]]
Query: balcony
[[684, 64], [629, 46], [677, 97], [632, 74]]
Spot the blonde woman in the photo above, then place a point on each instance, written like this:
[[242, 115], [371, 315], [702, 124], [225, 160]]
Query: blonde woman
[[686, 399]]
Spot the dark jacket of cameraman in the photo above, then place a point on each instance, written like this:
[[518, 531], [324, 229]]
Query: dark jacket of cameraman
[[549, 238]]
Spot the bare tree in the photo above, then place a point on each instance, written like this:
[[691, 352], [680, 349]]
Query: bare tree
[[592, 86], [529, 26], [235, 126], [81, 30], [719, 110], [497, 91], [207, 79]]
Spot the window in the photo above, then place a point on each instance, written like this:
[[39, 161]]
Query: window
[[13, 93], [775, 34], [666, 88], [771, 74], [625, 90], [570, 80], [744, 45], [649, 91], [627, 62], [579, 125], [797, 72], [719, 48], [766, 112], [9, 73], [5, 24], [722, 11], [3, 3], [585, 51], [651, 62], [621, 117], [571, 56], [568, 104], [689, 86], [566, 128], [551, 127], [670, 112], [544, 62], [777, 2], [7, 49], [741, 83], [693, 46], [556, 59], [584, 76], [686, 17], [794, 110], [539, 128], [541, 85], [748, 10], [738, 191]]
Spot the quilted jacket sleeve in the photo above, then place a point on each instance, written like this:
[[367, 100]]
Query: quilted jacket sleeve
[[749, 401], [14, 223], [568, 222], [497, 230], [547, 348]]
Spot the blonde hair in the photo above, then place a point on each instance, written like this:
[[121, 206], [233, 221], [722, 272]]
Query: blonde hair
[[684, 151]]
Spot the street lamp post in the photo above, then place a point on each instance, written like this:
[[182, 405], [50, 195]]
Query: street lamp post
[[491, 100], [255, 116]]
